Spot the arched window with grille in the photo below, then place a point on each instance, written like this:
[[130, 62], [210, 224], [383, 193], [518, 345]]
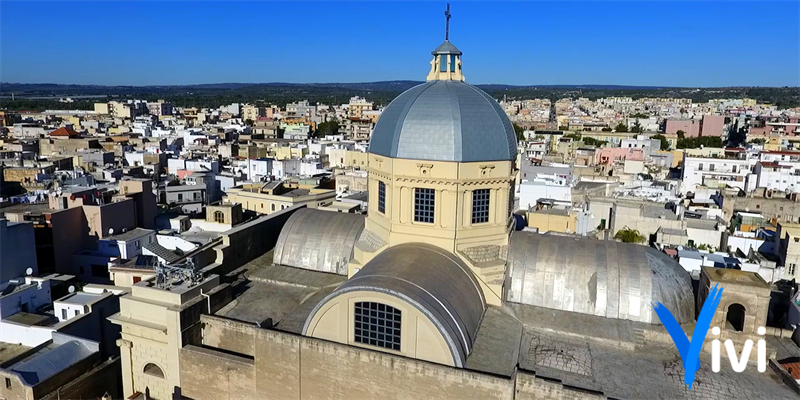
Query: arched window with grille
[[219, 216]]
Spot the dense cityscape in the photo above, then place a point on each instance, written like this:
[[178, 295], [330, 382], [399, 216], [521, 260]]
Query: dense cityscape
[[401, 239]]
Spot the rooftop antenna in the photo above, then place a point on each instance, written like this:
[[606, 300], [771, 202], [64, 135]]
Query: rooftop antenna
[[447, 16]]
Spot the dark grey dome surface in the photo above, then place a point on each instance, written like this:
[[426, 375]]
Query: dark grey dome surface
[[444, 121]]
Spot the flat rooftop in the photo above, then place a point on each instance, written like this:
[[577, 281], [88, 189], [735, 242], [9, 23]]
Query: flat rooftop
[[724, 275], [9, 351], [27, 208], [607, 355], [283, 295], [80, 298], [134, 233]]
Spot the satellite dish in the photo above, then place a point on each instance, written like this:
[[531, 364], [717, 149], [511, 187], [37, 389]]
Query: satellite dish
[[110, 231], [71, 289], [29, 271]]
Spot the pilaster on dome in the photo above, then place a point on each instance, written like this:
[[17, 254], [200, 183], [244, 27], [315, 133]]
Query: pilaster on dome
[[446, 63]]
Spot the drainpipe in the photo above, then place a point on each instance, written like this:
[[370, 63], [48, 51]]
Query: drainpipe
[[208, 298]]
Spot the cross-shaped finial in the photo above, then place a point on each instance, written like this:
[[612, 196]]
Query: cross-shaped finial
[[447, 15]]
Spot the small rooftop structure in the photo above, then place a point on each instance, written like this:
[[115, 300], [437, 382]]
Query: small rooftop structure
[[132, 234], [64, 132]]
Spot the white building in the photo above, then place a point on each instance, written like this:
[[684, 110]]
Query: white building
[[648, 146], [535, 150], [298, 167], [714, 172], [778, 175], [256, 169], [72, 305], [176, 164], [552, 187], [127, 244]]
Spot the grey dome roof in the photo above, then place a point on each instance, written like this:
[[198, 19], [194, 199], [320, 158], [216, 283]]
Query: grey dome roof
[[431, 279], [444, 121], [596, 277], [446, 48]]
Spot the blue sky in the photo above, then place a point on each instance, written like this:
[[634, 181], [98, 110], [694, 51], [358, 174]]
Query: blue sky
[[675, 43]]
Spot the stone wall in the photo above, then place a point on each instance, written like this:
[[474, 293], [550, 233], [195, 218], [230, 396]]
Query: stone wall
[[253, 362], [250, 240], [776, 207], [233, 376], [50, 146]]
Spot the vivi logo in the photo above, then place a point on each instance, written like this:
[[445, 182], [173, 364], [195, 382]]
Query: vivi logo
[[690, 351]]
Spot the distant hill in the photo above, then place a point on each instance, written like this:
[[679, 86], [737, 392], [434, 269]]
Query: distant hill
[[42, 95], [54, 89]]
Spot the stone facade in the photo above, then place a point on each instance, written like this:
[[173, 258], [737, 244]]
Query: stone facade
[[741, 289]]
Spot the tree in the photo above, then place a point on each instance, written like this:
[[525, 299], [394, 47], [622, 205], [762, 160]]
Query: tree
[[637, 127], [707, 247], [681, 134], [696, 142], [563, 128], [590, 141], [664, 141], [621, 127], [329, 127], [736, 135], [628, 235], [607, 129], [760, 141], [640, 115], [520, 132], [248, 122]]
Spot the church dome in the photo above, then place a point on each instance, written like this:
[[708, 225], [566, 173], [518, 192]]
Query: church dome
[[444, 120]]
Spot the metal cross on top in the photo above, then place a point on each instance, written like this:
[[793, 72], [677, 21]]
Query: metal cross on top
[[447, 15]]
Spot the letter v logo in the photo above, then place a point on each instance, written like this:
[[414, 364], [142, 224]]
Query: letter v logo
[[690, 351]]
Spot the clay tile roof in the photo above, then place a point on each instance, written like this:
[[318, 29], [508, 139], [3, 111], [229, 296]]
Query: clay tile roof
[[793, 368], [64, 132]]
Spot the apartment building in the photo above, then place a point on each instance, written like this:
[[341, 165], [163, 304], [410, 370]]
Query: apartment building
[[714, 173], [275, 196]]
